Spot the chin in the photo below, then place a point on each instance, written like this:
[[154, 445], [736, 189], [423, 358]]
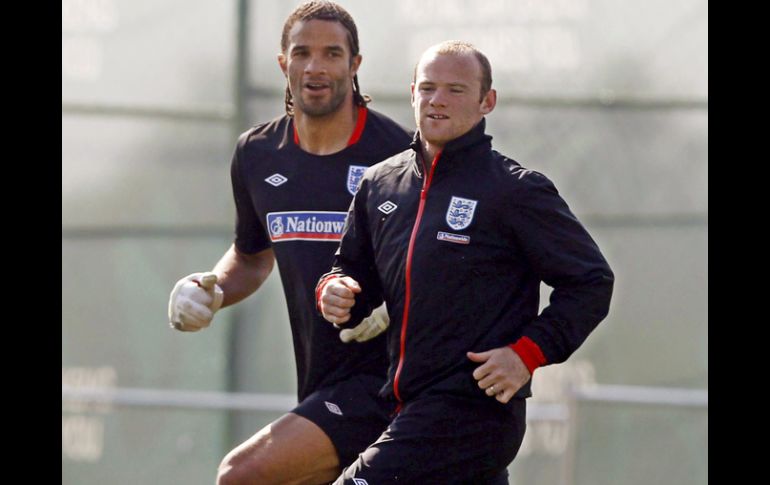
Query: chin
[[434, 139], [311, 109]]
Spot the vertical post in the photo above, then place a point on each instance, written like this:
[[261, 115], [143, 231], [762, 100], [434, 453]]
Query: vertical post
[[239, 124], [568, 461], [241, 66]]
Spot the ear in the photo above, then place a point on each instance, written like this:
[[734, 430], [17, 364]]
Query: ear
[[488, 102], [355, 64], [282, 63], [412, 91]]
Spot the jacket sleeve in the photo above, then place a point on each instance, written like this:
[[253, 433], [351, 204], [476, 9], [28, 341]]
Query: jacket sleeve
[[355, 257], [566, 258]]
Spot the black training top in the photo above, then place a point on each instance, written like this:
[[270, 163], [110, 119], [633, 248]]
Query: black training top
[[459, 254], [296, 203]]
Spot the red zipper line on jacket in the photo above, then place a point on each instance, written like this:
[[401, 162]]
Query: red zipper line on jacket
[[409, 253]]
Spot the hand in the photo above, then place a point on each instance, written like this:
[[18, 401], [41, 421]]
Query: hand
[[370, 327], [337, 298], [502, 373], [193, 302]]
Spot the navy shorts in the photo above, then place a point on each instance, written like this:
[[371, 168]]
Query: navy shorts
[[350, 413], [443, 439]]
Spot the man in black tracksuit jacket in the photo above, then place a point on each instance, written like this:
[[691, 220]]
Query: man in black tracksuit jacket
[[456, 238]]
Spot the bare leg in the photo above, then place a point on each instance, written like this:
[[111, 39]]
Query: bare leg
[[289, 451]]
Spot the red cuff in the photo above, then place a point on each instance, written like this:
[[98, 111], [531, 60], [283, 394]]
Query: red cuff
[[320, 287], [530, 353]]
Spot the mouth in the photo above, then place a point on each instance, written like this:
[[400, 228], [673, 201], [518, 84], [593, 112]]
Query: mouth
[[437, 117], [316, 86]]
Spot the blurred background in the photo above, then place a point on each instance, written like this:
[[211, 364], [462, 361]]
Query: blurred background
[[608, 98]]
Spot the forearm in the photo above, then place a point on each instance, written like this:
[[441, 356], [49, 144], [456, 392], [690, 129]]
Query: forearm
[[354, 260], [571, 315], [240, 275]]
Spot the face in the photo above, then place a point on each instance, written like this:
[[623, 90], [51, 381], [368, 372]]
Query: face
[[318, 67], [446, 97]]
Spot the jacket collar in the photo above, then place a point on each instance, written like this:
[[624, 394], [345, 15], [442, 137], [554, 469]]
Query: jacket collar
[[475, 139]]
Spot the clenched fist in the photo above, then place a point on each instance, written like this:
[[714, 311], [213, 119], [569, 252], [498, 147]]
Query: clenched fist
[[193, 302]]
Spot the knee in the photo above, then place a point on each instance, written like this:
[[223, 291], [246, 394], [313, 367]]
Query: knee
[[239, 470], [229, 473]]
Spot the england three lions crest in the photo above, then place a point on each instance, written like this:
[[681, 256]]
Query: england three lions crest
[[460, 212], [355, 173]]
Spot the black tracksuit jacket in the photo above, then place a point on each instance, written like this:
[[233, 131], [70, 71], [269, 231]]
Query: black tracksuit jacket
[[458, 255]]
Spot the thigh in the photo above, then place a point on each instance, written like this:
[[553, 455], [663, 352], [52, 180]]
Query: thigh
[[443, 440], [350, 413], [290, 450]]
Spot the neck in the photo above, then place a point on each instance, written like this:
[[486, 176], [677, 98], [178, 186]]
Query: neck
[[324, 135], [429, 152]]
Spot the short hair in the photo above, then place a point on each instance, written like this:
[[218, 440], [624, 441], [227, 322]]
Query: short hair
[[330, 11], [459, 47]]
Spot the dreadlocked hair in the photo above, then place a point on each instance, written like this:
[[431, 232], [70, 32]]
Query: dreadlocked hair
[[324, 10]]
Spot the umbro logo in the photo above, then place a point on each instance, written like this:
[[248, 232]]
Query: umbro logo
[[276, 179], [387, 207], [333, 408], [360, 481]]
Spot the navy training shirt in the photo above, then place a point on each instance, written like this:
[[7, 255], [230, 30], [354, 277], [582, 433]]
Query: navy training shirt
[[296, 203]]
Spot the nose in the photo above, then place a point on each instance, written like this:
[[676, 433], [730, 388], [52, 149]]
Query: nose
[[438, 99], [315, 65]]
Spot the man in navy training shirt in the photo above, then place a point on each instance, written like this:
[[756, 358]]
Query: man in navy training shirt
[[293, 179]]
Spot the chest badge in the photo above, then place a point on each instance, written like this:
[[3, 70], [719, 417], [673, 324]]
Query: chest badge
[[355, 174], [387, 207], [276, 179], [460, 212]]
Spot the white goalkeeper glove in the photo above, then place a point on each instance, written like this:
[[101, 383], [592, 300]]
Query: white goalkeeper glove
[[193, 302], [370, 327]]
